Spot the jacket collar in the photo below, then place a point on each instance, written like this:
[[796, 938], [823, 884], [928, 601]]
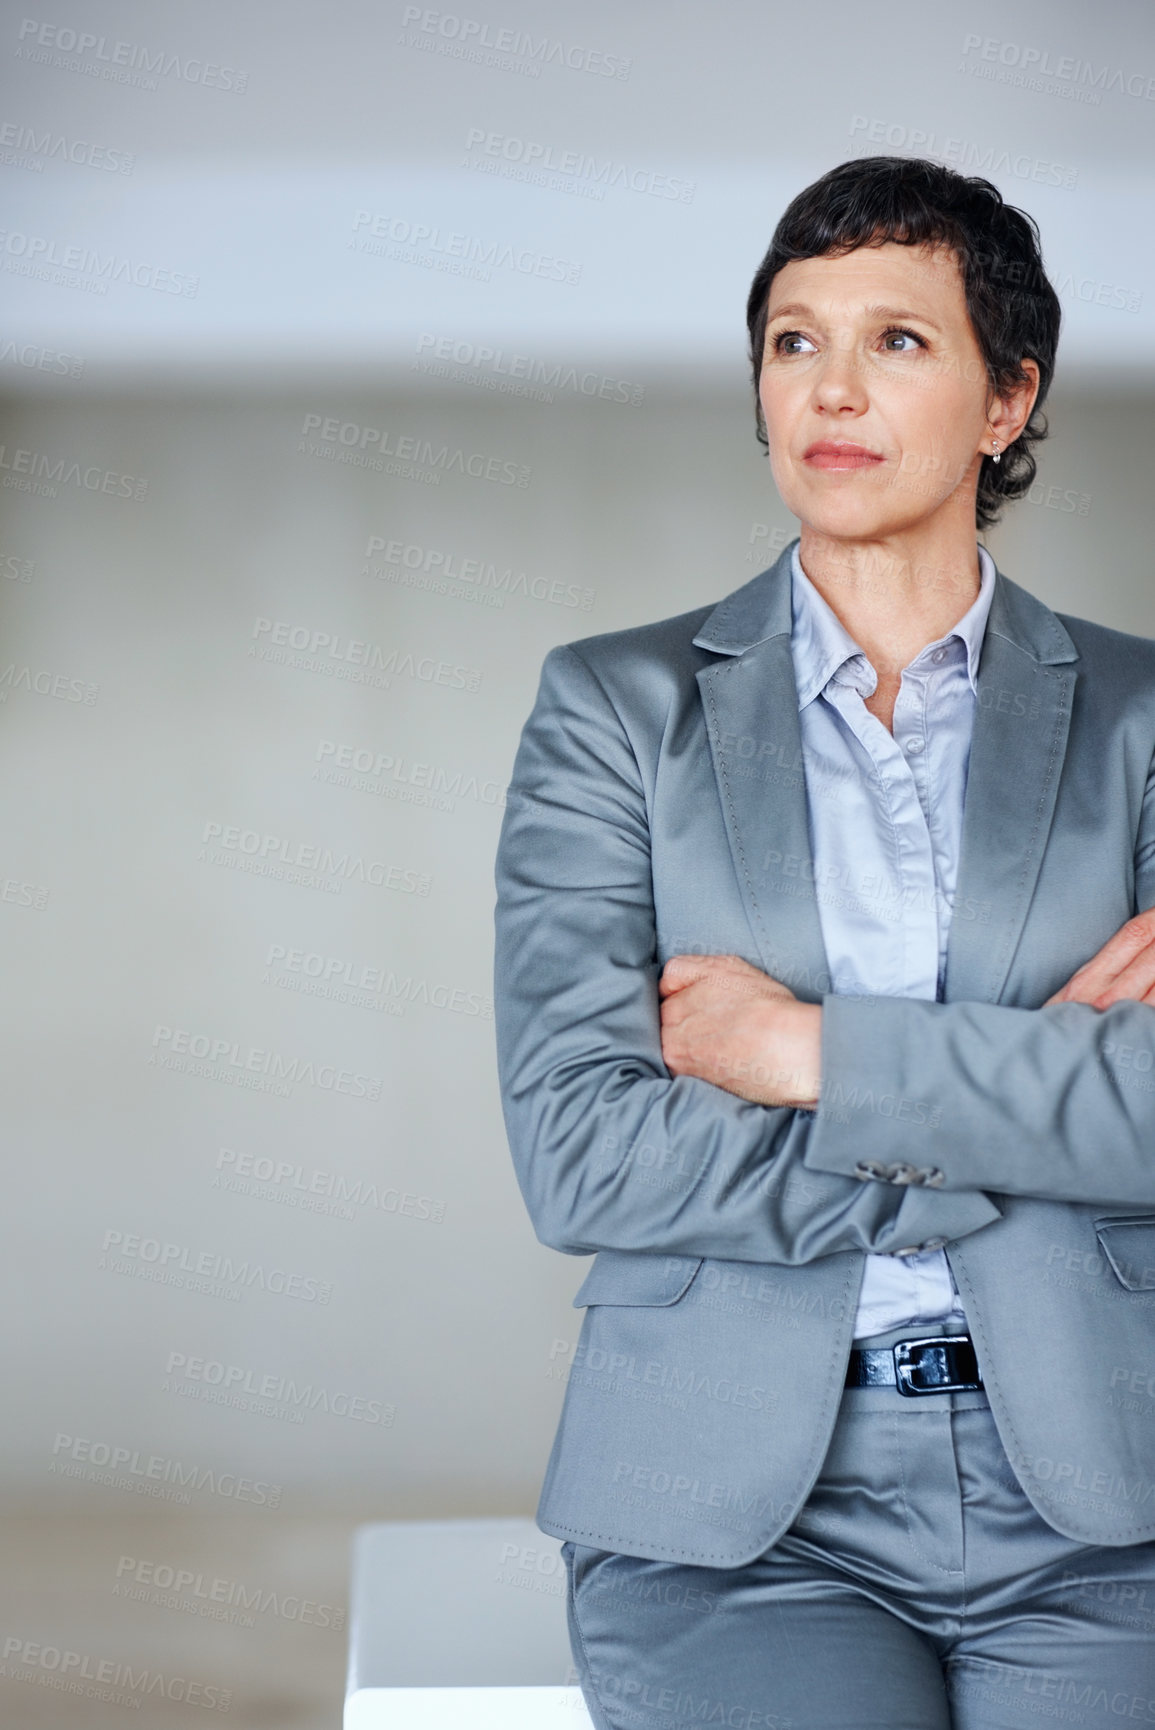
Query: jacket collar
[[1019, 739], [761, 609]]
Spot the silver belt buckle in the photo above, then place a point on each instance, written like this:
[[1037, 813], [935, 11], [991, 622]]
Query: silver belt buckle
[[905, 1370]]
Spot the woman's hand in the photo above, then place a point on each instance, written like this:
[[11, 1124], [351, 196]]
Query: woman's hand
[[1123, 969], [728, 1023]]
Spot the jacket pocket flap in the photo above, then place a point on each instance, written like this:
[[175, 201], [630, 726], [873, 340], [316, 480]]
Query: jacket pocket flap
[[1129, 1246], [626, 1276]]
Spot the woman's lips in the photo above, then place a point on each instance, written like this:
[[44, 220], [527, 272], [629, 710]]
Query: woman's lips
[[840, 456]]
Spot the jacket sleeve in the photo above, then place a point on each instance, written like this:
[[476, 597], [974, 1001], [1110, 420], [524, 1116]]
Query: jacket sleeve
[[1056, 1103], [611, 1151]]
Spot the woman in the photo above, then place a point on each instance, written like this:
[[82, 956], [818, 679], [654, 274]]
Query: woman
[[824, 1007]]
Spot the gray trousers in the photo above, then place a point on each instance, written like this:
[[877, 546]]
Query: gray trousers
[[917, 1589]]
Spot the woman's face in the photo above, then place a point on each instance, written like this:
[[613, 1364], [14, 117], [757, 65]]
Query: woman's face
[[874, 352]]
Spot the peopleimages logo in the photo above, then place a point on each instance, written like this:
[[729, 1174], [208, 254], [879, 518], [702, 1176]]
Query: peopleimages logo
[[1032, 65], [133, 1251], [237, 1381], [355, 658], [375, 765], [26, 142], [108, 1679], [375, 981], [172, 1046], [335, 437], [960, 153], [518, 374], [39, 359], [117, 61], [478, 40], [497, 152], [40, 251], [325, 1192], [230, 845], [52, 472], [46, 683], [406, 242], [153, 1474], [436, 569], [166, 1584]]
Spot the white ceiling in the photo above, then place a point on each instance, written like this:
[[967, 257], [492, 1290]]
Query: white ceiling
[[251, 196]]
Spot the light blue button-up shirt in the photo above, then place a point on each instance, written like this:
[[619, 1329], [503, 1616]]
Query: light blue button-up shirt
[[885, 818]]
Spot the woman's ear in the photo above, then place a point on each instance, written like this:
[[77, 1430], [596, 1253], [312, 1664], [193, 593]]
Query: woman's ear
[[1008, 414]]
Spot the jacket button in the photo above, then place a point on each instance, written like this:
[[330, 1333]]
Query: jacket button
[[911, 1249], [934, 1243], [933, 1178], [903, 1173], [869, 1168]]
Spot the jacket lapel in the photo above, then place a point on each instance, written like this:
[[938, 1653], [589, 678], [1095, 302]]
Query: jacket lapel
[[1021, 722], [750, 702]]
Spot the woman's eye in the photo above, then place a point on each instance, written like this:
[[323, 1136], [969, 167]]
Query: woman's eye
[[902, 336], [783, 344], [893, 342]]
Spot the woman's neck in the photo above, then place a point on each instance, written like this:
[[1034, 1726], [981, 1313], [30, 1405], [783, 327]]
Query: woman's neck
[[894, 599]]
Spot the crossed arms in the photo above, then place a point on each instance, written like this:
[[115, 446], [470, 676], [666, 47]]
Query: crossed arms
[[730, 1024], [670, 1113]]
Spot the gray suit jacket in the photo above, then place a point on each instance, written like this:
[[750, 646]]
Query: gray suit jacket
[[657, 807]]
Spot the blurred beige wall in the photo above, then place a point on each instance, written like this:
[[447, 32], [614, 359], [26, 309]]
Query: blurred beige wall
[[254, 772]]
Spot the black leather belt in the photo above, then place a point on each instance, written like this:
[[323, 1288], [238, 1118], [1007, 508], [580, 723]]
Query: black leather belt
[[942, 1364]]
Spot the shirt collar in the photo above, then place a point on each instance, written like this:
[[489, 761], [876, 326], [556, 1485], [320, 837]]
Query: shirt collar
[[821, 644]]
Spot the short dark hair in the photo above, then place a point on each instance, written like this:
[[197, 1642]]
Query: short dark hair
[[1012, 306]]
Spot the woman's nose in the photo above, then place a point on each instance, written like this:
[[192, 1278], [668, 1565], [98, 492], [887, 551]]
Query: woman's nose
[[839, 381]]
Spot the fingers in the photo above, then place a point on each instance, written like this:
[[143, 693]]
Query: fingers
[[683, 970], [676, 1039], [693, 988], [687, 969], [727, 971], [1134, 982], [1123, 968], [696, 997], [1124, 990], [1117, 954]]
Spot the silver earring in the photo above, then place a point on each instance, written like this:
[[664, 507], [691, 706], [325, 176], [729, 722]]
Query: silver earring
[[995, 452]]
